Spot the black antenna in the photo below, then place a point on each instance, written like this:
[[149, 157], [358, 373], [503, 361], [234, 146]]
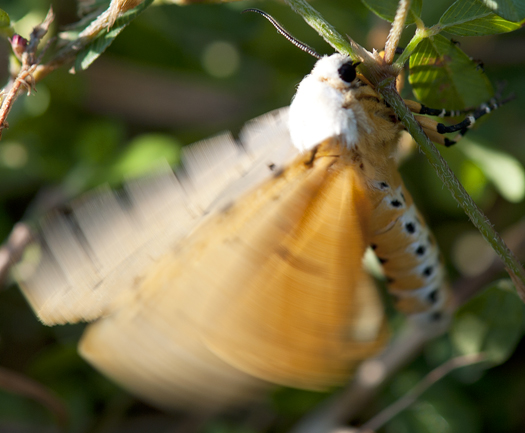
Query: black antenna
[[285, 33]]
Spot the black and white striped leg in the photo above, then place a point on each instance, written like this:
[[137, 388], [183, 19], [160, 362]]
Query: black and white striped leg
[[419, 108], [434, 127]]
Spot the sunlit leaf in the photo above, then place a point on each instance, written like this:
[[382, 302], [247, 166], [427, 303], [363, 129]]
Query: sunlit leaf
[[512, 10], [5, 24], [490, 323], [503, 170], [5, 21], [145, 153], [443, 76], [471, 18], [386, 9], [473, 179]]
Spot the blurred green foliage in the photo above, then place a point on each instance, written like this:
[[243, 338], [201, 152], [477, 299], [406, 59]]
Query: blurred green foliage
[[162, 84]]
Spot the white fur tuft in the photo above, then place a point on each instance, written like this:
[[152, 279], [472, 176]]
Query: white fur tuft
[[317, 112]]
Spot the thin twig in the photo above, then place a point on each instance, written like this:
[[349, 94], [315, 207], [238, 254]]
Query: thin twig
[[12, 250], [398, 25], [410, 398], [25, 77], [32, 71], [37, 34], [370, 377], [16, 383], [20, 80], [325, 29]]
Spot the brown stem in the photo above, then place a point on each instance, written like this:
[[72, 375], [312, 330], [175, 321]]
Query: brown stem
[[12, 250], [29, 64], [20, 80], [16, 383]]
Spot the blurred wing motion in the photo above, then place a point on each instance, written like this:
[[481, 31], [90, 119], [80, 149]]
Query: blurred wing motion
[[242, 269]]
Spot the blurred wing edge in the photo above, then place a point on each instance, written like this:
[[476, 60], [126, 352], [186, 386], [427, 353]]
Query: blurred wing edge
[[90, 255]]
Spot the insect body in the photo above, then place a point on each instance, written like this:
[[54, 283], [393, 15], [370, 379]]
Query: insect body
[[247, 269], [332, 105]]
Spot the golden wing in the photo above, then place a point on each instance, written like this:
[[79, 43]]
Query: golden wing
[[285, 306], [266, 284]]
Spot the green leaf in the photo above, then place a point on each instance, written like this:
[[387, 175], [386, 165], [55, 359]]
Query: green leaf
[[503, 170], [512, 10], [471, 18], [92, 51], [442, 408], [386, 9], [443, 76], [490, 323], [5, 21], [473, 179], [5, 24], [104, 39], [144, 153]]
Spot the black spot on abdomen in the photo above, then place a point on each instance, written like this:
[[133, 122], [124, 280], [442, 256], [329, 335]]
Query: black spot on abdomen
[[410, 227]]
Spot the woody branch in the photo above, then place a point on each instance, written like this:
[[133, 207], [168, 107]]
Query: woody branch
[[32, 69]]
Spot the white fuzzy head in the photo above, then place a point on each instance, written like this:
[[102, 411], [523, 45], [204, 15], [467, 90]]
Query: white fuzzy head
[[317, 111], [338, 70]]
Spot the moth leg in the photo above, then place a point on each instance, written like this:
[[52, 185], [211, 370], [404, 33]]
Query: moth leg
[[435, 130], [431, 128], [418, 108], [435, 136]]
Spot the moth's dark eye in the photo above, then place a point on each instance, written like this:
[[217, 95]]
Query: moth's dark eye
[[347, 72]]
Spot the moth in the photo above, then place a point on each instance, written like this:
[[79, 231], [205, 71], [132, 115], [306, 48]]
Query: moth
[[244, 267]]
